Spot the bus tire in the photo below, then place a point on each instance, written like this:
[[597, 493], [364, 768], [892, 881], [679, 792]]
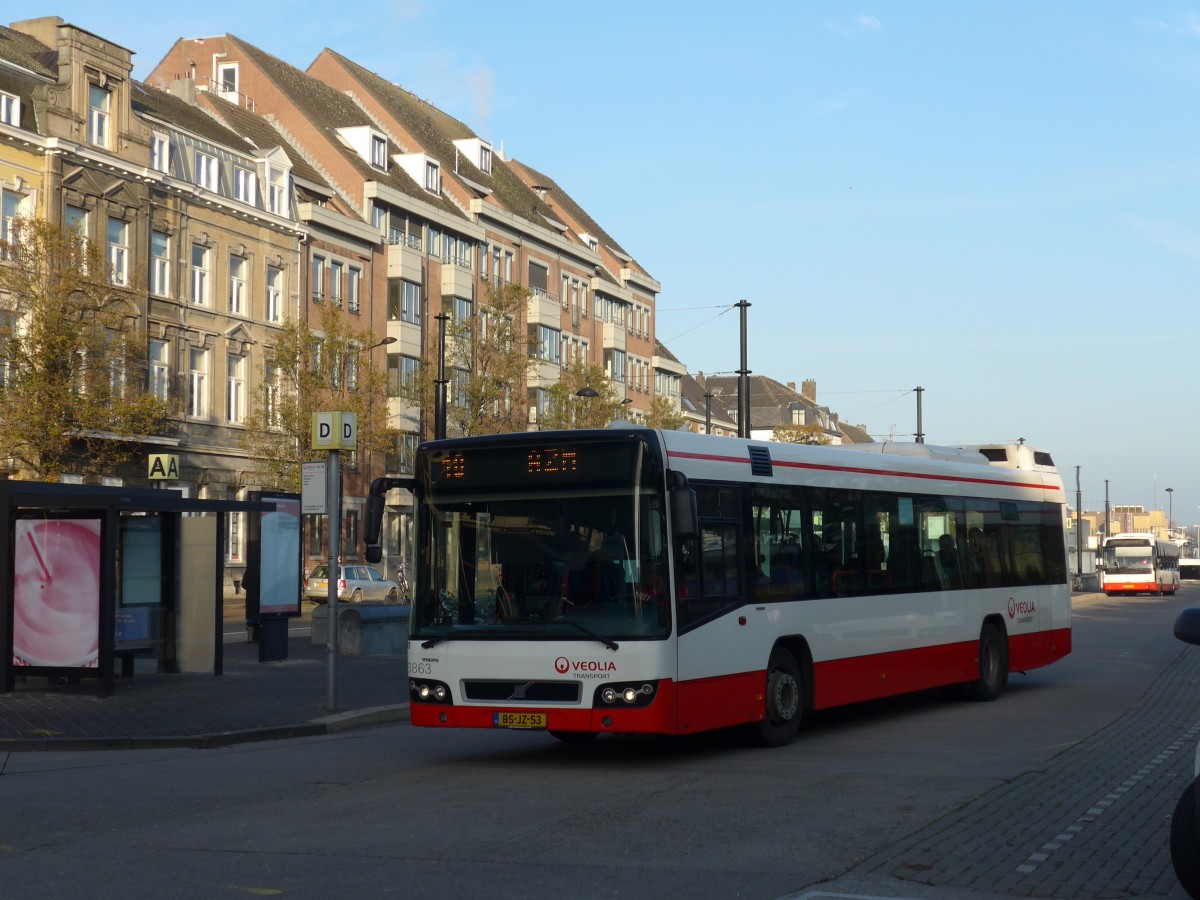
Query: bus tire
[[1185, 841], [784, 700], [993, 663], [573, 737]]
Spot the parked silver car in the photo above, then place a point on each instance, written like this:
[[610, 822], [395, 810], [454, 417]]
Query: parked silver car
[[355, 584]]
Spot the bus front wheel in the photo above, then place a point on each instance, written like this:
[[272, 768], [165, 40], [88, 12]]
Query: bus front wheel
[[993, 664], [785, 700]]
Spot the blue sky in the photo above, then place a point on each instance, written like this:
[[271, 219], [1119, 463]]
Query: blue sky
[[994, 201]]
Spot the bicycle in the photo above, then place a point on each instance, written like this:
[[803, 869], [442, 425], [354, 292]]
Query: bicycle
[[402, 583]]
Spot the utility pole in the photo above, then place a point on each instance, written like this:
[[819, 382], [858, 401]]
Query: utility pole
[[1078, 526], [920, 434], [743, 379]]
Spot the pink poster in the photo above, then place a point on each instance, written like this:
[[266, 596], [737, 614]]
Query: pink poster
[[56, 593]]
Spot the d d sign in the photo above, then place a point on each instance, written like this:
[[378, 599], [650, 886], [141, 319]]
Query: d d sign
[[334, 431], [163, 466]]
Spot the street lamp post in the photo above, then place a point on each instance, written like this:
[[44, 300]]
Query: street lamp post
[[920, 434], [1170, 510], [439, 401], [708, 412]]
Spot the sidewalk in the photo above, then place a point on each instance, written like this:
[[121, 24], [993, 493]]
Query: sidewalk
[[251, 701]]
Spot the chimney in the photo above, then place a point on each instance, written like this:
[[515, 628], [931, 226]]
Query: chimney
[[808, 390], [791, 386]]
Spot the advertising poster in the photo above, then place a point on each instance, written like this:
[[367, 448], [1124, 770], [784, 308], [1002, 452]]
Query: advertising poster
[[279, 587], [56, 593]]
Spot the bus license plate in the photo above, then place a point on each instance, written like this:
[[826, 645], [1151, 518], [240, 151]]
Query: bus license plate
[[519, 720]]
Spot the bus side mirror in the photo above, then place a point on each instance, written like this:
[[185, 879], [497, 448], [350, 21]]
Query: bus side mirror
[[683, 511], [374, 518], [1187, 626]]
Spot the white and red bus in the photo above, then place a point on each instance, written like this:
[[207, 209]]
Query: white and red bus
[[1139, 564], [632, 580]]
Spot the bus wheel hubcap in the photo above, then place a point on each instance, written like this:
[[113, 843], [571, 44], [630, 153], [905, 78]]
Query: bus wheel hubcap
[[785, 696]]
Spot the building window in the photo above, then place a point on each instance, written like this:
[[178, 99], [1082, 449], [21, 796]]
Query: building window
[[318, 279], [197, 405], [400, 460], [433, 177], [237, 285], [272, 394], [244, 185], [549, 344], [10, 205], [508, 265], [160, 268], [10, 109], [206, 171], [335, 283], [379, 152], [274, 307], [401, 373], [235, 390], [200, 257], [118, 251], [159, 372], [99, 105], [485, 160], [461, 309], [277, 191], [404, 301], [160, 152], [227, 81], [354, 275], [435, 242]]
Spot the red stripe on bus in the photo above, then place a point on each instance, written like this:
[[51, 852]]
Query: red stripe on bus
[[857, 470]]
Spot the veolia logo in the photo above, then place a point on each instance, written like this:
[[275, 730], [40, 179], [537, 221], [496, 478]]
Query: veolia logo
[[561, 666], [1020, 607]]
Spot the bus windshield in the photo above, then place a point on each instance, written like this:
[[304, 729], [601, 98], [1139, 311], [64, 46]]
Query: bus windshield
[[1128, 558], [576, 560]]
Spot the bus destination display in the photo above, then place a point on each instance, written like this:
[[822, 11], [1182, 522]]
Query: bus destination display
[[524, 466]]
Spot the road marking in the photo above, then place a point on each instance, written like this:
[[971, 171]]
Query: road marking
[[1100, 806]]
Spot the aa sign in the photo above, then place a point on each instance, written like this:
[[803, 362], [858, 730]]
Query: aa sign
[[163, 466], [334, 431]]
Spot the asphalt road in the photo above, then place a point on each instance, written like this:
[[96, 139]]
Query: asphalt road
[[1061, 788]]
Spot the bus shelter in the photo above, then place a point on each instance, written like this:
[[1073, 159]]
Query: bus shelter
[[95, 577]]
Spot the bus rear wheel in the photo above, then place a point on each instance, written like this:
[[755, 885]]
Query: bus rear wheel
[[993, 664], [785, 700]]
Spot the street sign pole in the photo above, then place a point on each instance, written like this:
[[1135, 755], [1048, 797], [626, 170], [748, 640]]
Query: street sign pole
[[333, 503], [333, 431]]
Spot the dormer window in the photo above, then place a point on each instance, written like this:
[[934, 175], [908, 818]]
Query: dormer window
[[160, 152], [433, 176], [10, 109], [479, 152], [379, 152], [369, 143], [206, 171], [590, 241], [99, 112]]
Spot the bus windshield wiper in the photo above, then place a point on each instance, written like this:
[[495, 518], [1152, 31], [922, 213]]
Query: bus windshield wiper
[[456, 631], [607, 642]]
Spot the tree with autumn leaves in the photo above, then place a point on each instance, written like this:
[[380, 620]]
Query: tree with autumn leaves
[[314, 367], [74, 395]]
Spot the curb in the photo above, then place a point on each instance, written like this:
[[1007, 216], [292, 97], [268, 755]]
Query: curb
[[332, 724]]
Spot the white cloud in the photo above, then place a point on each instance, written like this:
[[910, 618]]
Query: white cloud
[[1187, 25], [1175, 237], [869, 23]]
